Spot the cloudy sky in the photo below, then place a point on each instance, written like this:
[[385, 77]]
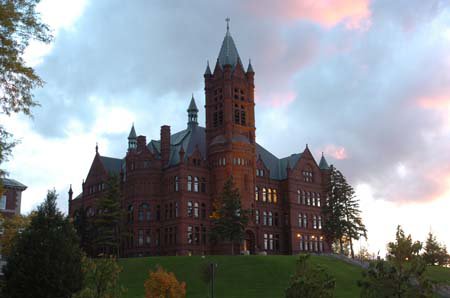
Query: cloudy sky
[[366, 82]]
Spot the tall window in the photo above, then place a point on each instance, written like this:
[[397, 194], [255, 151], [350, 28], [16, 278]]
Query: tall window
[[158, 212], [320, 222], [276, 219], [204, 235], [177, 183], [270, 218], [197, 235], [301, 242], [144, 212], [148, 239], [196, 210], [189, 183], [176, 209], [305, 221], [141, 238], [189, 234], [257, 216], [265, 242], [269, 197], [130, 214], [265, 218], [196, 184], [264, 194], [189, 208], [303, 197], [300, 220], [270, 241], [256, 193], [313, 198], [308, 198], [314, 222], [203, 185], [318, 200], [3, 202], [274, 194], [298, 197]]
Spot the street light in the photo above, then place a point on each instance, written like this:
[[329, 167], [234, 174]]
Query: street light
[[212, 267]]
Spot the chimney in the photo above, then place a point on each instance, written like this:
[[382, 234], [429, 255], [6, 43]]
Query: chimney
[[165, 144], [141, 143]]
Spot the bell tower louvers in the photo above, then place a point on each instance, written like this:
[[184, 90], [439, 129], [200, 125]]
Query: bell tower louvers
[[230, 121]]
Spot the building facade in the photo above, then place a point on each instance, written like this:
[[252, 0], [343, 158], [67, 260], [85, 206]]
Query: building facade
[[11, 198], [168, 185]]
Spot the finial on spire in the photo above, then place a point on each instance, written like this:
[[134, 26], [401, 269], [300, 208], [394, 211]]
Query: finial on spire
[[228, 23], [96, 147]]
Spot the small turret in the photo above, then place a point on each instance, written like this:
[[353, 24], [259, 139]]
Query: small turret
[[208, 70], [323, 164], [132, 139], [70, 193], [192, 113]]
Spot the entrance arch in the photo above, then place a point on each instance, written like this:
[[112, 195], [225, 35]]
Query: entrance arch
[[249, 242]]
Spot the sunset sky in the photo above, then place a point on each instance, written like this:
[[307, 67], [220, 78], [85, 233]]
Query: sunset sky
[[365, 82]]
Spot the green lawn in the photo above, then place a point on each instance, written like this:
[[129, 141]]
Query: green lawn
[[238, 276], [439, 274]]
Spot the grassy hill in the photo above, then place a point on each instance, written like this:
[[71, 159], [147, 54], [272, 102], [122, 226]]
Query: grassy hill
[[239, 276], [245, 276]]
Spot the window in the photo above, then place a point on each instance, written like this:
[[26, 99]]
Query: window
[[170, 210], [270, 241], [300, 220], [141, 238], [270, 222], [303, 197], [276, 219], [189, 208], [307, 175], [301, 242], [242, 116], [298, 197], [313, 199], [264, 194], [314, 222], [203, 185], [148, 239], [144, 212], [277, 242], [189, 234], [196, 184], [197, 235], [196, 209], [305, 221], [308, 198], [265, 218], [318, 200], [189, 183], [256, 193], [265, 242], [130, 214], [204, 237], [257, 216], [203, 211], [269, 196], [91, 212], [3, 202], [320, 222], [274, 196], [177, 183]]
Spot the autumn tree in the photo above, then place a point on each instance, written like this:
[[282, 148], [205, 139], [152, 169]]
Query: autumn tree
[[100, 278], [434, 252], [229, 219], [45, 261], [342, 213], [11, 227], [107, 223], [20, 23], [310, 280], [161, 283]]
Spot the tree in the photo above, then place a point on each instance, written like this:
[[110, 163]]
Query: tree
[[229, 220], [45, 261], [342, 216], [403, 275], [109, 219], [310, 281], [19, 24], [11, 227], [434, 252], [85, 231], [161, 283], [101, 278]]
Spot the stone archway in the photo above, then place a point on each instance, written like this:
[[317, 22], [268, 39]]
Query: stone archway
[[249, 242]]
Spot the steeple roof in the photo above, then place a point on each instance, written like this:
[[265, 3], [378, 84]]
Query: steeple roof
[[132, 134], [323, 165], [250, 67], [208, 70], [192, 106], [228, 54]]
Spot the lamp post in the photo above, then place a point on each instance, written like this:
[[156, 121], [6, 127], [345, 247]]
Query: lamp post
[[212, 267]]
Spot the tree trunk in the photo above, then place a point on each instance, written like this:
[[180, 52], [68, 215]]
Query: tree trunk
[[351, 248]]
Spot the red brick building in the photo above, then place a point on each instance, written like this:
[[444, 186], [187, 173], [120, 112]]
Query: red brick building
[[168, 185], [11, 198]]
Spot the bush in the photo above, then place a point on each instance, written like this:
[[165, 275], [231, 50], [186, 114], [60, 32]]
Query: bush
[[164, 284]]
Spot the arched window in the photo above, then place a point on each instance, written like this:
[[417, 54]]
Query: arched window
[[270, 218], [177, 183], [269, 196], [318, 200], [189, 183], [308, 198], [313, 198], [305, 221], [265, 218], [256, 193], [320, 222], [196, 184], [274, 194], [196, 209], [130, 214], [314, 222], [264, 194]]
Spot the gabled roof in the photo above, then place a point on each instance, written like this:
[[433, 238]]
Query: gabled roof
[[112, 165], [228, 54], [277, 166], [11, 183]]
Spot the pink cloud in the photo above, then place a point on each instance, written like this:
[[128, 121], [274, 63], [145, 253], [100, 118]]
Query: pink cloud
[[355, 14], [337, 152], [277, 100]]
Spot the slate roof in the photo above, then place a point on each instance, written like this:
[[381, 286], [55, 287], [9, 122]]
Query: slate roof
[[112, 165], [192, 106], [228, 52], [323, 165], [11, 183], [276, 166], [132, 134]]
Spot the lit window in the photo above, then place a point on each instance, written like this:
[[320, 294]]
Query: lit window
[[314, 222], [308, 198], [313, 198], [196, 184], [256, 193], [189, 208], [318, 199], [274, 196], [320, 222], [196, 209], [298, 197], [270, 218], [264, 194], [270, 241], [257, 217], [265, 241], [189, 234], [269, 196], [265, 218], [305, 221], [300, 220]]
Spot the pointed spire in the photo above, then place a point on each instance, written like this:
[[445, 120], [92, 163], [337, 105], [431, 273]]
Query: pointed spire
[[132, 134], [250, 67], [208, 70], [323, 164], [70, 193], [96, 148], [228, 54], [192, 113], [132, 139]]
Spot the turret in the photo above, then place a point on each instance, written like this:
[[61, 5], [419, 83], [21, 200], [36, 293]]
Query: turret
[[132, 139], [192, 113]]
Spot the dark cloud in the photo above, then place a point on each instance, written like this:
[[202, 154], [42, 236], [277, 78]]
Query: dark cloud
[[356, 88]]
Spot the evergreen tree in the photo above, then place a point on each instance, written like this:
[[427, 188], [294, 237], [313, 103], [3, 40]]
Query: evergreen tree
[[85, 231], [45, 261], [310, 281], [229, 220], [434, 252], [108, 221], [342, 216]]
